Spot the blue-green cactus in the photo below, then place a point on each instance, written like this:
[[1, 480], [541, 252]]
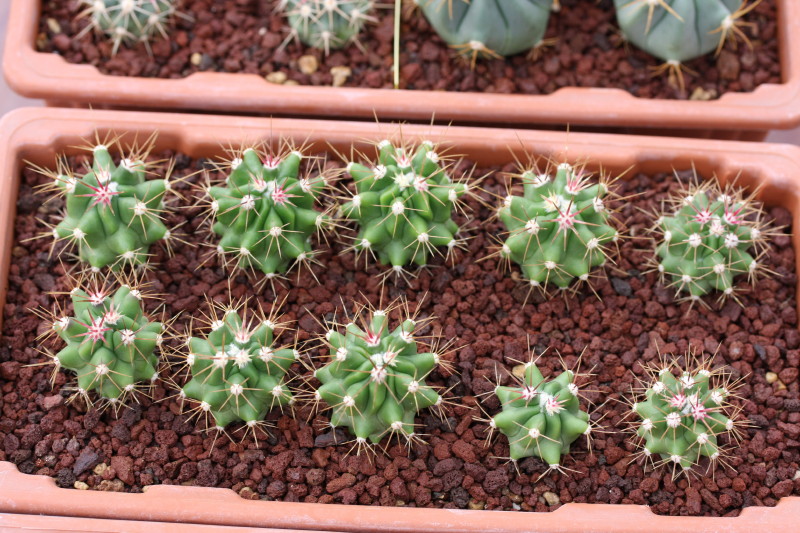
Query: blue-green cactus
[[489, 27], [679, 30]]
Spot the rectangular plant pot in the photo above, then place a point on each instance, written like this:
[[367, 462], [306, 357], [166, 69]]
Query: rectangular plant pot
[[743, 116], [37, 135]]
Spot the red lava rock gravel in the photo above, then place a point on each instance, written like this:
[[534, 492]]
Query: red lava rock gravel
[[483, 312], [245, 36]]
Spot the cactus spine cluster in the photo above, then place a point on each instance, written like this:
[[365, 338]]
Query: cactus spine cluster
[[403, 204], [113, 213], [129, 21], [681, 417], [327, 24], [264, 213], [679, 30], [708, 239], [375, 380], [111, 342], [237, 372], [559, 229], [488, 27], [541, 418]]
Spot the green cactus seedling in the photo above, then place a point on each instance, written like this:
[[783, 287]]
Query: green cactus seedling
[[374, 382], [403, 205], [265, 211], [711, 237], [681, 413], [560, 228], [541, 418], [677, 31], [113, 212], [237, 371], [327, 24], [111, 342], [129, 21]]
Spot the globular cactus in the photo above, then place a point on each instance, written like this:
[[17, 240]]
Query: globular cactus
[[130, 21], [681, 413], [711, 237], [264, 212], [327, 24], [113, 213], [560, 228], [679, 30], [404, 204], [489, 27], [541, 418], [237, 371], [374, 382], [111, 342]]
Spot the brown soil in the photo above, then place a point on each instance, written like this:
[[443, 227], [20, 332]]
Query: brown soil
[[479, 309], [245, 36]]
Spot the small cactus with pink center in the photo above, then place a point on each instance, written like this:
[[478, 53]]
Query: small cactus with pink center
[[265, 211], [541, 418], [111, 342], [560, 228], [237, 369], [403, 205], [113, 212], [374, 381], [682, 413], [712, 236]]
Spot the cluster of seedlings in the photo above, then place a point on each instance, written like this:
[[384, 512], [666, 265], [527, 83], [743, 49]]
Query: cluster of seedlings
[[674, 31], [229, 366]]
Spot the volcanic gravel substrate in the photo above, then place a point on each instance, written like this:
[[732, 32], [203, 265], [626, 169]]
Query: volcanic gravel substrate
[[246, 36], [483, 313]]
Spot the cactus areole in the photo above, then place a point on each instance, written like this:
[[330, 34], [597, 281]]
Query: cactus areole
[[541, 418], [559, 228], [375, 380], [111, 343]]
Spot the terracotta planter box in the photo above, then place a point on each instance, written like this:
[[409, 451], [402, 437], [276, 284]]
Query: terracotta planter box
[[37, 135], [744, 116]]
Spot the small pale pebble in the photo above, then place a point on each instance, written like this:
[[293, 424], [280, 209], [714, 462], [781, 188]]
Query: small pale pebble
[[53, 25], [196, 58], [340, 75], [519, 371], [796, 475], [80, 485], [99, 469], [292, 82], [702, 94], [771, 377], [277, 77], [551, 498], [308, 64], [477, 506]]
